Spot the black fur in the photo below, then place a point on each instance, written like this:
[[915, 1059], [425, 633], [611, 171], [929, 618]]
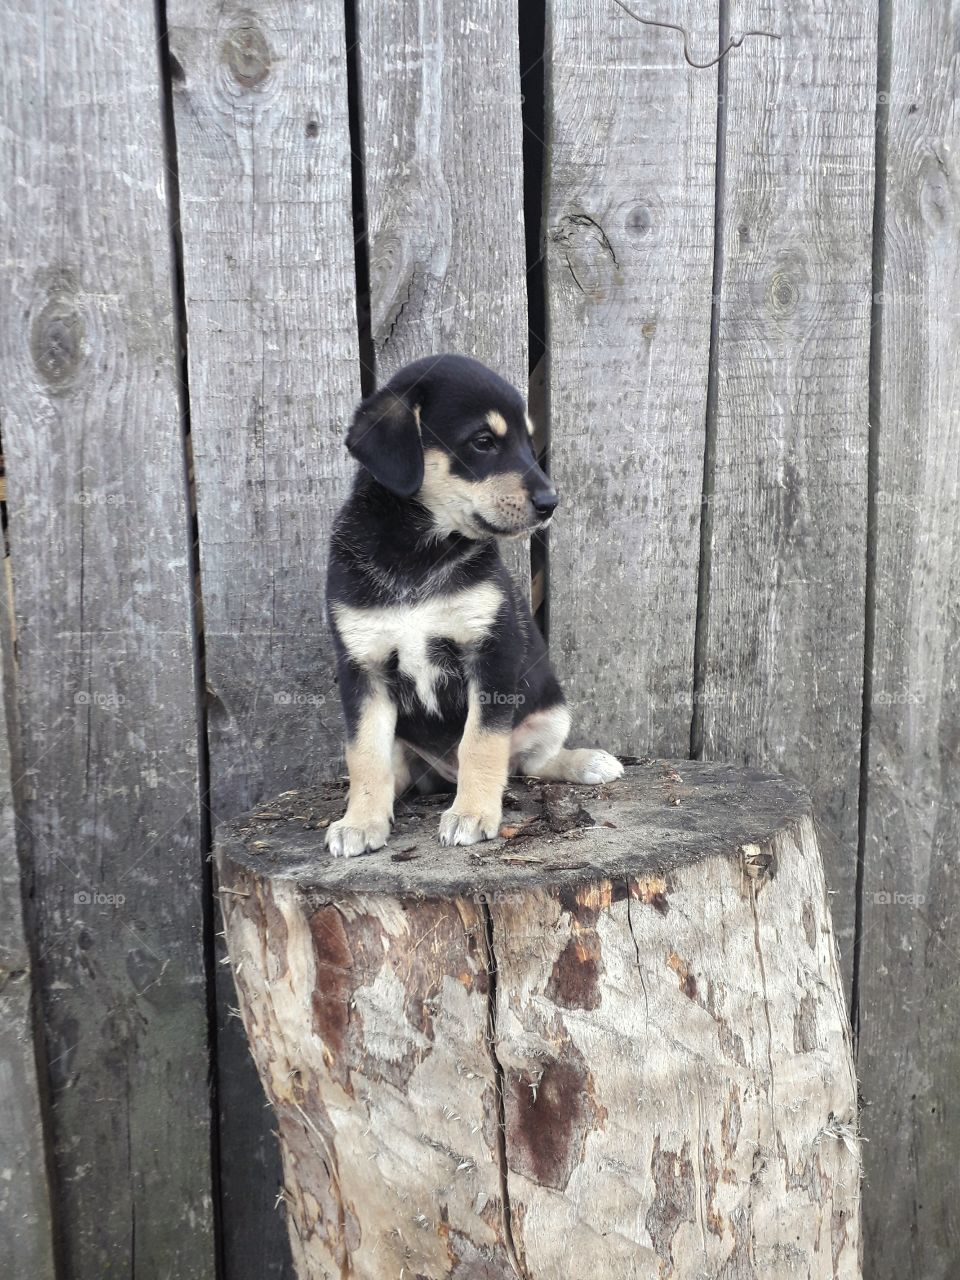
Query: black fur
[[385, 549]]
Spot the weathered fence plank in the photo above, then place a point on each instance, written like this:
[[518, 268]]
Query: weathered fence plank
[[26, 1237], [107, 706], [260, 104], [784, 659], [909, 999], [442, 151], [631, 133]]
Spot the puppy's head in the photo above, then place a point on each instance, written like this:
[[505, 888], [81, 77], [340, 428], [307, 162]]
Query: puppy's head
[[450, 433]]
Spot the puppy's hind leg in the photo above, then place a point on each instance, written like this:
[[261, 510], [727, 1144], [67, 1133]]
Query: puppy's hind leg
[[580, 764], [537, 750]]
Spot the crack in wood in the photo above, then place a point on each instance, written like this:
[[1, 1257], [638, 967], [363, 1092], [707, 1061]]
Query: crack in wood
[[636, 947], [400, 310], [490, 963], [766, 997]]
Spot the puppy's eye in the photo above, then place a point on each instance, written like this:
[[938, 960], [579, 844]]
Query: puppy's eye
[[484, 442]]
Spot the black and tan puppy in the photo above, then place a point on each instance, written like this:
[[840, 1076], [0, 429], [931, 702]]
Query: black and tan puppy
[[438, 658]]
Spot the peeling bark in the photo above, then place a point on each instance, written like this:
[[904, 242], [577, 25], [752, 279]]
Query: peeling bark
[[506, 1058]]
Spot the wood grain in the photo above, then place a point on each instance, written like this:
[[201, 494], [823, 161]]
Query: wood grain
[[784, 659], [648, 1004], [909, 1006], [629, 245], [107, 706], [443, 166], [26, 1234], [260, 107], [678, 1074]]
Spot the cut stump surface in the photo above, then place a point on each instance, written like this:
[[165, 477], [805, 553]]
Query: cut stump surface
[[615, 1035]]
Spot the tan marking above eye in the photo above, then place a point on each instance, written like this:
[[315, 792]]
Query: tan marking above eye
[[497, 423], [529, 421]]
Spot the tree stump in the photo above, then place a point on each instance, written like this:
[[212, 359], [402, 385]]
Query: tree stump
[[612, 1043]]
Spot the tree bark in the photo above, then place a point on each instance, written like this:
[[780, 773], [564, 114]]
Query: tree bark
[[612, 1042]]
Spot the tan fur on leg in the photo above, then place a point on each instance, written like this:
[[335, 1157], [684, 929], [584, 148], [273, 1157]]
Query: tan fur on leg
[[366, 823], [482, 775]]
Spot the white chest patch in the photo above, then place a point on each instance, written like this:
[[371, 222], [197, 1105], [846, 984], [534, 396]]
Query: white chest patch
[[370, 636]]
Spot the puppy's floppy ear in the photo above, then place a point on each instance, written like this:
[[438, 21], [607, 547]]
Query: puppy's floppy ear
[[385, 438]]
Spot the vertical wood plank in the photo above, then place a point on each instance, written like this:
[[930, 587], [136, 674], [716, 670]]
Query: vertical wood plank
[[260, 102], [909, 998], [107, 707], [26, 1235], [442, 149], [784, 662], [629, 243]]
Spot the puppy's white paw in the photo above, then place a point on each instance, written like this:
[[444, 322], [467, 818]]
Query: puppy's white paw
[[468, 828], [344, 840], [599, 766]]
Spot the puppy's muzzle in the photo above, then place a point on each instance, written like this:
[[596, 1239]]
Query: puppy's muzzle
[[544, 500]]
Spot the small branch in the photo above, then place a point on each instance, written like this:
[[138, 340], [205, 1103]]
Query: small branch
[[733, 43]]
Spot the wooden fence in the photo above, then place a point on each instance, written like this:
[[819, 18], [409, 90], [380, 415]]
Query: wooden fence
[[736, 288]]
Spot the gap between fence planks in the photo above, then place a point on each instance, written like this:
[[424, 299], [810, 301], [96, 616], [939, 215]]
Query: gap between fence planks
[[907, 1017], [631, 134], [98, 535]]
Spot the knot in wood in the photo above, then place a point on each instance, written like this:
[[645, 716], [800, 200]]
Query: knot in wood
[[246, 52], [784, 294], [639, 220], [588, 253], [57, 340]]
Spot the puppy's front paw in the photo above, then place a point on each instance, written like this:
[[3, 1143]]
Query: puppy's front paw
[[468, 828], [346, 839], [599, 766]]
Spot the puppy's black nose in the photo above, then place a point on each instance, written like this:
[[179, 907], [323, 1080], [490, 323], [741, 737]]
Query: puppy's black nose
[[545, 502]]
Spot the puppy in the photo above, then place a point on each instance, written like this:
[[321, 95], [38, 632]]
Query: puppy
[[440, 666]]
